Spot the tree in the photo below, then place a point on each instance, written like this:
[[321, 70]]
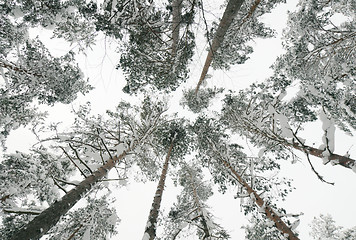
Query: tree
[[239, 24], [172, 136], [229, 14], [29, 72], [226, 160], [99, 135], [190, 210], [150, 231], [324, 228], [151, 56], [320, 61], [276, 129]]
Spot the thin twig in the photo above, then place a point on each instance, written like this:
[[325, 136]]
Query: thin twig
[[102, 141], [321, 178], [70, 158], [57, 184], [80, 160]]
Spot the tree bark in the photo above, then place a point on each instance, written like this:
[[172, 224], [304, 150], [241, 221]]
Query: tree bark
[[176, 18], [41, 224], [199, 209], [341, 160], [230, 13], [153, 216], [259, 201]]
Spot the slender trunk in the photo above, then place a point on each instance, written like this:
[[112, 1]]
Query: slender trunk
[[176, 18], [41, 224], [230, 13], [262, 204], [340, 160], [153, 216], [199, 208]]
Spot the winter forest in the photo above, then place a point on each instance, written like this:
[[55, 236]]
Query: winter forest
[[177, 119]]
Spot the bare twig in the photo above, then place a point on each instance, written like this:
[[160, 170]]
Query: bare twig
[[80, 160], [59, 186], [70, 158]]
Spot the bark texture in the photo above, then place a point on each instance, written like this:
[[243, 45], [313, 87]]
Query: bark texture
[[199, 209], [176, 18], [340, 160], [41, 224], [280, 225], [230, 13], [153, 216]]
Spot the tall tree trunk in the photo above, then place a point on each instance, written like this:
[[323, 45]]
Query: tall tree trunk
[[153, 216], [41, 224], [280, 225], [199, 209], [230, 13], [176, 18]]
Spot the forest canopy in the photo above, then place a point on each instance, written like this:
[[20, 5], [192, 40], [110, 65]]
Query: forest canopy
[[177, 124]]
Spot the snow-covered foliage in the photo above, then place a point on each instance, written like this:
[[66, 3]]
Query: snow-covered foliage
[[263, 118], [200, 101], [247, 25], [190, 212], [147, 57], [97, 220], [261, 228], [324, 227], [156, 42], [320, 59], [29, 182], [28, 71]]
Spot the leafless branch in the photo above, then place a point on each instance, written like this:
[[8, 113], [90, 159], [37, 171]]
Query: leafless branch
[[70, 158], [80, 160]]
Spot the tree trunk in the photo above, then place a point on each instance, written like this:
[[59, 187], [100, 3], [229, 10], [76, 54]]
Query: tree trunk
[[41, 224], [153, 216], [199, 209], [176, 18], [230, 13], [280, 225]]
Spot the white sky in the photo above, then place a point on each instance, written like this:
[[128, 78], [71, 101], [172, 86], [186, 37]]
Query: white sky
[[134, 201]]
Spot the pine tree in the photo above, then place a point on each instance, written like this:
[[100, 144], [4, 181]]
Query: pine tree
[[276, 129], [173, 137], [324, 227], [150, 231], [191, 211], [320, 62], [114, 141], [29, 71], [226, 160], [239, 24], [229, 14]]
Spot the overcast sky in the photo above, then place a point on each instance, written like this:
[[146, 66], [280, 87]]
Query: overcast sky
[[311, 197]]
